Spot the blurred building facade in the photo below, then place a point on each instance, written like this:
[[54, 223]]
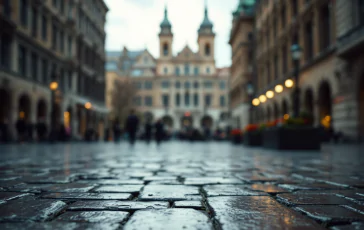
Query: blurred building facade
[[185, 90], [242, 65], [53, 41], [330, 34]]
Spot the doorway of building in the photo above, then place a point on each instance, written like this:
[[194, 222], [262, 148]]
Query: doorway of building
[[325, 104]]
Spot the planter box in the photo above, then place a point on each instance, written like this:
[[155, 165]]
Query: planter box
[[236, 139], [253, 138], [292, 138]]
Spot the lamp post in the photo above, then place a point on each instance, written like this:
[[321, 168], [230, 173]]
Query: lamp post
[[250, 92], [296, 56], [53, 86]]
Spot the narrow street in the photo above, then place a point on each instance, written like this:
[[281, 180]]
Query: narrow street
[[179, 185]]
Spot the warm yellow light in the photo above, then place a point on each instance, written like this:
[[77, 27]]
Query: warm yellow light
[[256, 102], [286, 117], [278, 88], [328, 118], [289, 83], [262, 98], [270, 94], [53, 86], [22, 114], [66, 114], [88, 105]]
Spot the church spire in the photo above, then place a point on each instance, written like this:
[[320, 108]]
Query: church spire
[[165, 23], [206, 24]]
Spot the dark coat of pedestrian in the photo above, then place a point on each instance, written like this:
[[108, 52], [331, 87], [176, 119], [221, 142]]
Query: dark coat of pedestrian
[[148, 128], [41, 130], [131, 126], [21, 128], [159, 131], [116, 131]]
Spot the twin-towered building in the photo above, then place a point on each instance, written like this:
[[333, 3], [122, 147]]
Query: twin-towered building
[[185, 89]]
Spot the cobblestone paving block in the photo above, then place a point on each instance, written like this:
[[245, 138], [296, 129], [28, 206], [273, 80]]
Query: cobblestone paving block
[[330, 213], [254, 177], [211, 180], [116, 205], [138, 174], [7, 184], [120, 188], [88, 196], [188, 204], [310, 186], [257, 212], [312, 199], [353, 226], [30, 209], [231, 190], [6, 196], [49, 179], [59, 226], [115, 182], [165, 182], [356, 207], [354, 195], [160, 178], [93, 216], [268, 188], [168, 192], [176, 219]]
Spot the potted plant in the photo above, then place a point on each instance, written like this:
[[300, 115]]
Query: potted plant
[[236, 136], [292, 134]]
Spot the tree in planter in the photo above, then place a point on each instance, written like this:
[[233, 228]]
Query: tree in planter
[[122, 99]]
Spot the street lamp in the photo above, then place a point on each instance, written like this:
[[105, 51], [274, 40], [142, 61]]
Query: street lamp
[[53, 86], [250, 92], [296, 56]]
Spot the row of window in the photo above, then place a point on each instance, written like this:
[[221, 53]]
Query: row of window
[[31, 64], [187, 70], [148, 100], [187, 85], [86, 26], [60, 40]]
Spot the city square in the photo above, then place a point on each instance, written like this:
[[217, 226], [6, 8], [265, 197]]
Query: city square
[[170, 114]]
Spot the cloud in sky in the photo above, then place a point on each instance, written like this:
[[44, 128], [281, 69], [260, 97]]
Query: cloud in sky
[[135, 24]]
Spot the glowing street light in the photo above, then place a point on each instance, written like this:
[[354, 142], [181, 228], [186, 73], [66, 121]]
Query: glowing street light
[[88, 105], [262, 98], [256, 102], [278, 88], [270, 94], [289, 83], [53, 86]]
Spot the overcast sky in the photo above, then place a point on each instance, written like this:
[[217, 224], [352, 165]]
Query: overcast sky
[[135, 24]]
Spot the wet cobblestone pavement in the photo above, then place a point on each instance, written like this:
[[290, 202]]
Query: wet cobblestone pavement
[[179, 186]]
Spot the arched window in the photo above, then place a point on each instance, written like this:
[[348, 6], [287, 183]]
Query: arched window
[[207, 50], [195, 99], [165, 49], [178, 100], [187, 99]]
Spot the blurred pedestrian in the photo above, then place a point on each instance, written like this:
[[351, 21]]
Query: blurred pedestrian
[[148, 131], [21, 129], [41, 129], [116, 131], [131, 126], [159, 131]]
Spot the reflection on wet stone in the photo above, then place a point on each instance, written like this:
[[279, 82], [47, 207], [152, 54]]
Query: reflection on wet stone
[[29, 208], [268, 188], [330, 214], [89, 196], [94, 216], [312, 186], [119, 188], [176, 219], [117, 205], [6, 196], [59, 226], [167, 192], [256, 212], [211, 180], [231, 190], [311, 199], [188, 204]]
